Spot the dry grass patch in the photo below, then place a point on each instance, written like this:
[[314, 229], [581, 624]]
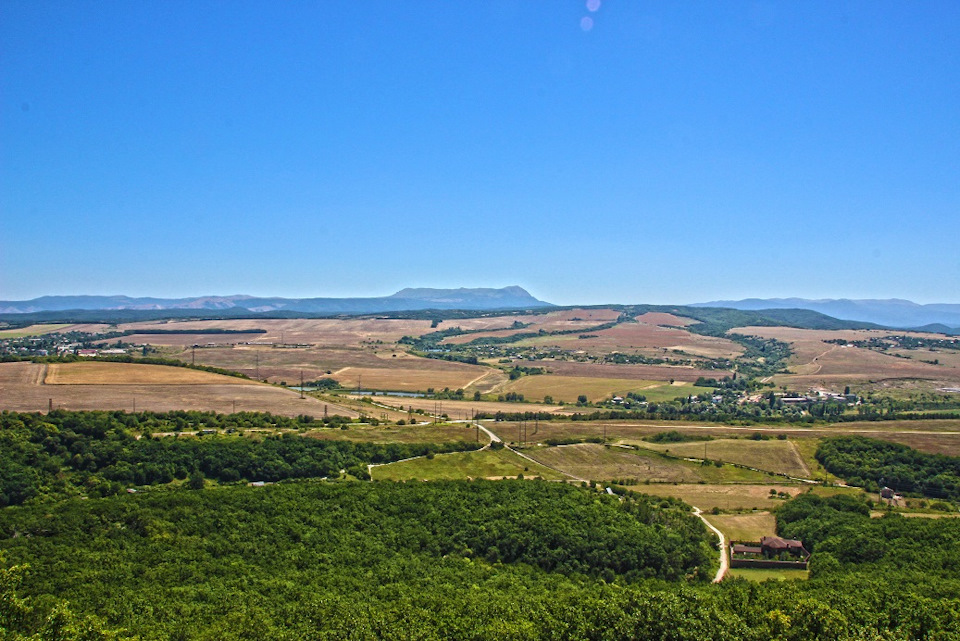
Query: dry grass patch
[[406, 380], [724, 497], [779, 456], [568, 388], [432, 433], [633, 372], [458, 410], [745, 527], [608, 463]]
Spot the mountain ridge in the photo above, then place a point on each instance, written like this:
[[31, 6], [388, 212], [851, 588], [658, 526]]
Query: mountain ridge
[[889, 312], [408, 299]]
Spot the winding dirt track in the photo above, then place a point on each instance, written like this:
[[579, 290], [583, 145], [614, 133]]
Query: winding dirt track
[[724, 565]]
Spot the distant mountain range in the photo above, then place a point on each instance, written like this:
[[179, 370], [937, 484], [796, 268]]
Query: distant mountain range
[[893, 312], [481, 298]]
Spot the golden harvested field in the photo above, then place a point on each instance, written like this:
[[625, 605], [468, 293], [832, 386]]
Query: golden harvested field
[[407, 380], [568, 388], [105, 373], [22, 389], [431, 433], [32, 330], [486, 464], [773, 456], [818, 364], [638, 372], [745, 527]]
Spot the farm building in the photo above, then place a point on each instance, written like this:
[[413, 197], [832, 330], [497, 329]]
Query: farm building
[[769, 552], [774, 546]]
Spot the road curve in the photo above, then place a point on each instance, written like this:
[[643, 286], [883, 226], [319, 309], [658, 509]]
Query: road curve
[[724, 565]]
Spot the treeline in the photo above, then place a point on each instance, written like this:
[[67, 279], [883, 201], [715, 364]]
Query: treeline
[[872, 463], [842, 536], [98, 454]]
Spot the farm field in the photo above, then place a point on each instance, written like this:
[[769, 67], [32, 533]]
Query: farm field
[[568, 388], [107, 373], [412, 379], [743, 497], [386, 367], [351, 332], [773, 455], [815, 363], [465, 409], [635, 372], [598, 462], [22, 388], [430, 433], [745, 527], [32, 330], [642, 336], [488, 464]]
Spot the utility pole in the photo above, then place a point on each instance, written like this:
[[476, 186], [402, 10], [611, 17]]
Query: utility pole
[[301, 383], [193, 355], [258, 365], [234, 406]]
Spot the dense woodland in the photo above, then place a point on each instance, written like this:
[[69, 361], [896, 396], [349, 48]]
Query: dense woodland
[[871, 463], [458, 560], [101, 453]]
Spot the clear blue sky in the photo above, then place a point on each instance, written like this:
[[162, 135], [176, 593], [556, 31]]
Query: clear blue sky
[[640, 152]]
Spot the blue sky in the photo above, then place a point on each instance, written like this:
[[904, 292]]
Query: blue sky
[[663, 152]]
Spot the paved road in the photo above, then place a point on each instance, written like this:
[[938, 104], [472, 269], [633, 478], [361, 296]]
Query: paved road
[[724, 566]]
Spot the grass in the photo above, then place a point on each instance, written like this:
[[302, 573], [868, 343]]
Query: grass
[[463, 465], [745, 527], [807, 447], [32, 330], [778, 456], [763, 574], [441, 433], [602, 463], [728, 497]]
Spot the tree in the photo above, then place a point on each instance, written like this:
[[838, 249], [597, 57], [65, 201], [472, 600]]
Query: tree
[[582, 399], [196, 481]]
